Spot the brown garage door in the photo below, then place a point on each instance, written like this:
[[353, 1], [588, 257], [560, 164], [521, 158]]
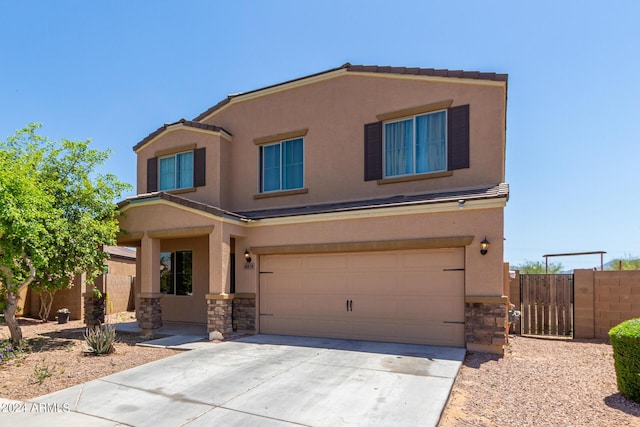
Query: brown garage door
[[413, 296]]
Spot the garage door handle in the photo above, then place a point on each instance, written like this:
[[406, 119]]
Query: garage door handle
[[349, 305]]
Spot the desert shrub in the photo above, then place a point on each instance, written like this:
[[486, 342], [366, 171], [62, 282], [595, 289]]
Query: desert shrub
[[100, 340], [41, 373], [625, 339], [7, 351]]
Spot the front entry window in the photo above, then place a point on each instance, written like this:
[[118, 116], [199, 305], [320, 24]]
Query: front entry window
[[176, 273]]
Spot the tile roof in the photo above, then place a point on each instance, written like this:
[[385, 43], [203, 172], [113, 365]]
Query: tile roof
[[120, 252], [372, 69], [184, 122], [489, 192], [183, 202], [479, 193], [429, 72]]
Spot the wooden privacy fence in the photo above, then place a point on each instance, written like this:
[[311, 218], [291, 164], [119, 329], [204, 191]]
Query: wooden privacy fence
[[546, 304]]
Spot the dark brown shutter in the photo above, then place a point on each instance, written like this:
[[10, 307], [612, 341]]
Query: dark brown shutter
[[458, 132], [373, 151], [199, 167], [152, 175]]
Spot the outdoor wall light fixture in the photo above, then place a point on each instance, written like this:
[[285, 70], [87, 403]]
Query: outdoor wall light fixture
[[247, 256], [461, 204], [484, 246]]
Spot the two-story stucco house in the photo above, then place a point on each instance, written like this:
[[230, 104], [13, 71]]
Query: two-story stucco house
[[352, 203]]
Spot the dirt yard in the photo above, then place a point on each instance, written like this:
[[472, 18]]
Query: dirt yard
[[540, 382], [55, 358]]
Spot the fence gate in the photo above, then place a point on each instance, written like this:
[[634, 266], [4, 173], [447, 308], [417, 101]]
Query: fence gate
[[546, 304]]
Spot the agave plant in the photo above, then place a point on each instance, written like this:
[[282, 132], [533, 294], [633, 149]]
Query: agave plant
[[100, 339]]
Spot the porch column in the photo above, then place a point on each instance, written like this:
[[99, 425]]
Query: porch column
[[219, 302], [219, 257], [149, 314]]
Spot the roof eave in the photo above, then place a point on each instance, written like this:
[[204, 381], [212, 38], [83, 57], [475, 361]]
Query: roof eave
[[181, 124]]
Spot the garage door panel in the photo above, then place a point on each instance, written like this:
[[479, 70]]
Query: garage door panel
[[325, 283], [283, 264], [387, 331], [397, 296], [324, 305], [283, 326], [283, 283], [373, 308], [436, 333], [438, 283], [284, 305], [373, 260], [446, 309], [327, 327], [433, 260], [372, 282], [324, 262]]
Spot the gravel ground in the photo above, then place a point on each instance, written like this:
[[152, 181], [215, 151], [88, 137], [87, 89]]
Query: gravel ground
[[540, 382], [56, 360]]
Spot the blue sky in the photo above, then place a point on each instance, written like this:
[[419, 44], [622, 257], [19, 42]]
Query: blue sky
[[115, 71]]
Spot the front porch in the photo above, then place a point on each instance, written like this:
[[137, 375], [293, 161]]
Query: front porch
[[186, 270]]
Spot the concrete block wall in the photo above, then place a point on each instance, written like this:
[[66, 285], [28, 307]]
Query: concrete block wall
[[583, 304], [70, 298], [617, 298], [603, 299], [119, 291]]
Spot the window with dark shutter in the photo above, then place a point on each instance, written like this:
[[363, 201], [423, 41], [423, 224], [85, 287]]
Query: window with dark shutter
[[373, 151], [426, 133], [177, 170], [458, 135], [152, 175]]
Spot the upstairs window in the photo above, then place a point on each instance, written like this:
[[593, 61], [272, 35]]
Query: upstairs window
[[176, 273], [416, 145], [282, 166], [176, 171], [184, 169]]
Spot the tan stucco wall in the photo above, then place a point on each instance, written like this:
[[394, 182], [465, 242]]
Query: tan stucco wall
[[483, 274], [216, 161], [334, 112], [161, 216], [181, 308]]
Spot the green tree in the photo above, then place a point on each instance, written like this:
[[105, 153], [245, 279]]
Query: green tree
[[70, 210], [538, 267], [628, 262]]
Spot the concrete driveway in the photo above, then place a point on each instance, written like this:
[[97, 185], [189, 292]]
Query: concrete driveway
[[265, 380]]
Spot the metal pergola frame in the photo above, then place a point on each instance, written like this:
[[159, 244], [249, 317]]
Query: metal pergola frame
[[546, 258]]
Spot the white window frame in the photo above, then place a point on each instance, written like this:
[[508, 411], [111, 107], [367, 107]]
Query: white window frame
[[415, 146]]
